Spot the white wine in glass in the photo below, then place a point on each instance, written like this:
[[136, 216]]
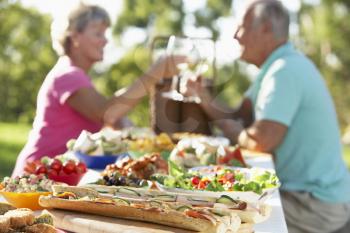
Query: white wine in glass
[[197, 64]]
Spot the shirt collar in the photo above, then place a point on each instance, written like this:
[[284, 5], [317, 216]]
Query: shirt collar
[[277, 53]]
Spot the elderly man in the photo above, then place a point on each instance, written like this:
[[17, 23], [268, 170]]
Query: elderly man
[[288, 112]]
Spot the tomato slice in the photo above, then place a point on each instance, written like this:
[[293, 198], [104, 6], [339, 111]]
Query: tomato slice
[[194, 214]]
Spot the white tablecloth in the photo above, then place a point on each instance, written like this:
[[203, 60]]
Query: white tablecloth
[[276, 223]]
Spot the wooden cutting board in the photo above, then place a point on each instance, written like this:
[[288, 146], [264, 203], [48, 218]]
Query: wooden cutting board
[[88, 223]]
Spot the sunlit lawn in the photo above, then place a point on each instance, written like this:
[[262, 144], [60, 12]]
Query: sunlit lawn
[[13, 136]]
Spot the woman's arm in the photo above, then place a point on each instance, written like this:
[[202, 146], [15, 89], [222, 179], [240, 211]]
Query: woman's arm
[[97, 108]]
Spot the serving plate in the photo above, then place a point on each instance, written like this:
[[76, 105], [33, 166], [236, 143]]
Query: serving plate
[[249, 174]]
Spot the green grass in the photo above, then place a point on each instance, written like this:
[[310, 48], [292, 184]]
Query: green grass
[[13, 136]]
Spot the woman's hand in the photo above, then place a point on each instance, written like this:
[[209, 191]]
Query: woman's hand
[[165, 67]]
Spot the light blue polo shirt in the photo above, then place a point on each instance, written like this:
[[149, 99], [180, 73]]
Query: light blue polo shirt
[[290, 90]]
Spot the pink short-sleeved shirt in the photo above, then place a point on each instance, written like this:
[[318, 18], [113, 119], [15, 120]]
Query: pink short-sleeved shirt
[[55, 121]]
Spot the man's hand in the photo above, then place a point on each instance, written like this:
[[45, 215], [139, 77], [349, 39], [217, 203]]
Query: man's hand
[[192, 87]]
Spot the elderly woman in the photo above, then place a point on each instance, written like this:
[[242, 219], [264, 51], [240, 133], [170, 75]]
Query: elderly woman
[[68, 102]]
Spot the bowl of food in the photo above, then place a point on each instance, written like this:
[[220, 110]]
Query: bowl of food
[[99, 161], [99, 149], [61, 168], [24, 191], [24, 200]]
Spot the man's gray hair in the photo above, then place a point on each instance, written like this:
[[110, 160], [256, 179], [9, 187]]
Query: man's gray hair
[[275, 13]]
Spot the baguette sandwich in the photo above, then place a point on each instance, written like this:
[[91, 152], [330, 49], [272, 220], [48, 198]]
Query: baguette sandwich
[[251, 213], [170, 213]]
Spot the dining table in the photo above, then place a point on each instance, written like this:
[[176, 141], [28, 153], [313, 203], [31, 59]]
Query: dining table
[[86, 223]]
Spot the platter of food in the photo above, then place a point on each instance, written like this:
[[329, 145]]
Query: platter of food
[[158, 207], [109, 142], [248, 184], [203, 151]]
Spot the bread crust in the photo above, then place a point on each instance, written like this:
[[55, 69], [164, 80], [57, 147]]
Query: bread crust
[[4, 223], [20, 217]]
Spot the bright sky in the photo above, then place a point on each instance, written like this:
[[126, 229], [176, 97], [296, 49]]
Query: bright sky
[[227, 48]]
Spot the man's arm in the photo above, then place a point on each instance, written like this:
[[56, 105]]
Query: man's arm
[[230, 121], [263, 136], [238, 124]]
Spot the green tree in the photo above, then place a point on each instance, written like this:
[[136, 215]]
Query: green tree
[[325, 29], [25, 59], [165, 18], [27, 55]]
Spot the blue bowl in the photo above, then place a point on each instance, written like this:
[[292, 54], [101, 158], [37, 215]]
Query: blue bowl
[[99, 161]]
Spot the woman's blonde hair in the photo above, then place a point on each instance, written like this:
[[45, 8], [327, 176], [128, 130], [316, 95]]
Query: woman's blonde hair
[[77, 20]]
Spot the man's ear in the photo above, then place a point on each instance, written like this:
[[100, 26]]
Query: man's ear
[[266, 27]]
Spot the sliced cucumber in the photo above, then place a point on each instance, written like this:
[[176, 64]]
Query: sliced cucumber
[[155, 203], [102, 191], [224, 199], [149, 195], [165, 197], [128, 191], [183, 208], [204, 200], [121, 200], [220, 212]]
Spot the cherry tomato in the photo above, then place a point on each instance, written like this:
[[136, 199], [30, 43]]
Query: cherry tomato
[[195, 180], [181, 153], [56, 165], [30, 167], [52, 172], [81, 168], [37, 162], [203, 184], [230, 177], [222, 180], [41, 170], [69, 167]]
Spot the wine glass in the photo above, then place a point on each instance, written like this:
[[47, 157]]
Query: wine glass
[[176, 46], [197, 64]]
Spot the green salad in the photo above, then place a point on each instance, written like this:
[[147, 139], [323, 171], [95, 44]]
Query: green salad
[[224, 179]]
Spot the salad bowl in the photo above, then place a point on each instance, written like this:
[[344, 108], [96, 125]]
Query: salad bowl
[[24, 200], [24, 191], [246, 184]]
